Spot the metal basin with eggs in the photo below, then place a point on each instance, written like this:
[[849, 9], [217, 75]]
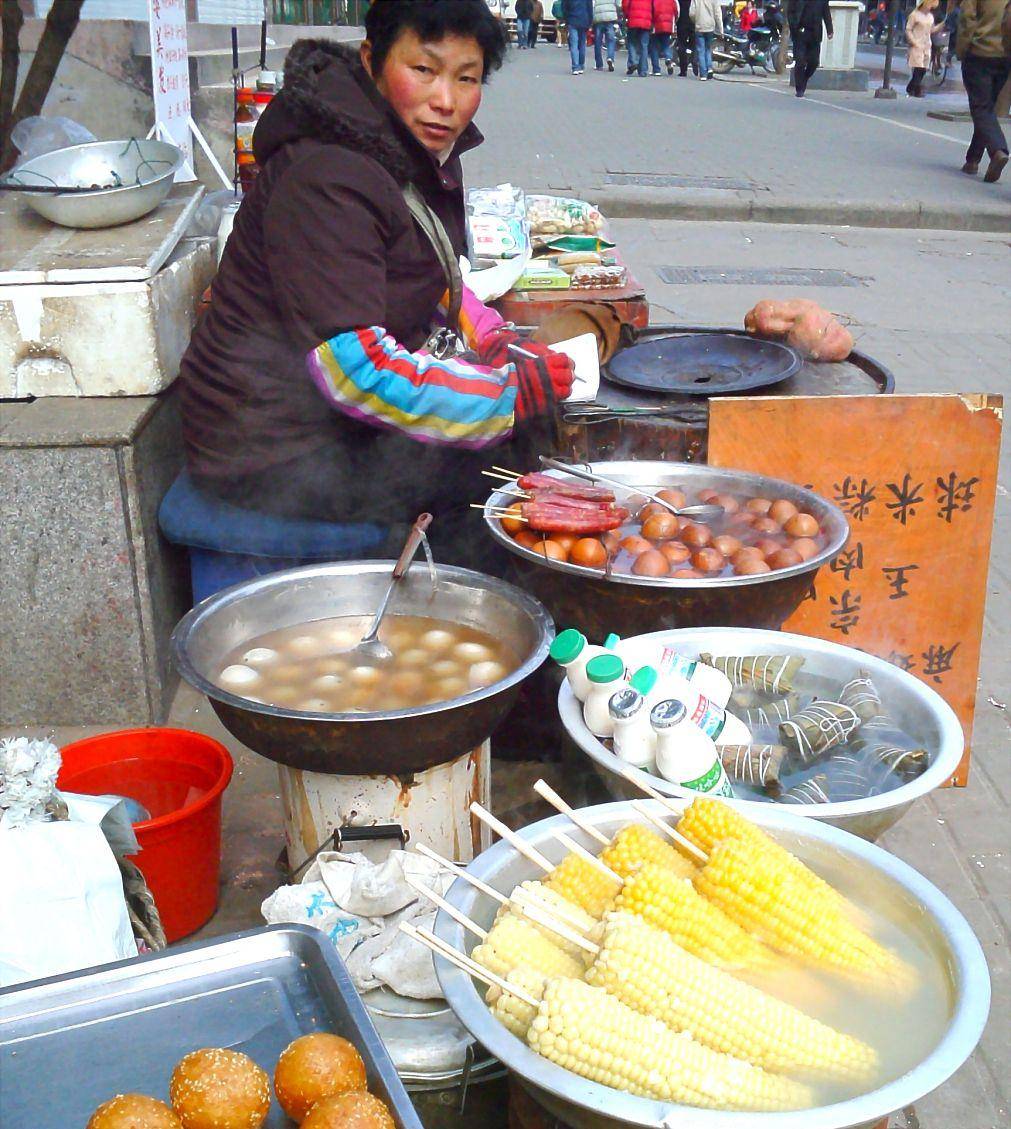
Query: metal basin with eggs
[[940, 929], [598, 604], [916, 708], [396, 741]]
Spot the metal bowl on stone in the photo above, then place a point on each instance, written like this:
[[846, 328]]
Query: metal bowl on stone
[[395, 741], [598, 603], [133, 177], [837, 856], [917, 710]]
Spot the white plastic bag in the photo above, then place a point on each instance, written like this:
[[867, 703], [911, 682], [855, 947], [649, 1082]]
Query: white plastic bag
[[310, 903], [36, 135]]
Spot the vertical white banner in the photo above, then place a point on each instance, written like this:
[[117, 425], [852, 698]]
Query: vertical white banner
[[170, 78]]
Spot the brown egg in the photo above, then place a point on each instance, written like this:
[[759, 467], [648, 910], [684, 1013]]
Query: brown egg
[[651, 563], [566, 540], [729, 503], [726, 544], [649, 510], [686, 574], [708, 495], [314, 1067], [758, 505], [672, 495], [802, 525], [696, 536], [782, 510], [133, 1111], [513, 524], [767, 546], [611, 542], [807, 547], [766, 525], [589, 553], [660, 527], [709, 560], [750, 566], [743, 520], [675, 552], [749, 552], [636, 545], [550, 549], [527, 538], [214, 1088], [785, 558]]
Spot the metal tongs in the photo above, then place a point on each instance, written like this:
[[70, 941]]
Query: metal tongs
[[704, 512], [590, 413]]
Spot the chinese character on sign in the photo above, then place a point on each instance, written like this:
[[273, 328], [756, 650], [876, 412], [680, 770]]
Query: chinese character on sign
[[853, 498], [903, 662], [907, 497], [845, 611], [937, 660], [897, 578], [954, 495], [849, 561], [811, 594]]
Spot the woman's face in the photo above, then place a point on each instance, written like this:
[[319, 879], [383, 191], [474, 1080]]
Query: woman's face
[[435, 88]]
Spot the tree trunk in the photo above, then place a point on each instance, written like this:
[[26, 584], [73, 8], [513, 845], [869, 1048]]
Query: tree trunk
[[783, 50], [12, 18], [60, 24]]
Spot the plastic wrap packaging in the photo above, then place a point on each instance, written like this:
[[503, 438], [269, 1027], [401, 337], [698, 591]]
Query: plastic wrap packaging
[[497, 222], [561, 215], [28, 770], [603, 277]]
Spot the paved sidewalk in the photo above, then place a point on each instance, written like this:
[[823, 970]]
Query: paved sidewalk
[[735, 149]]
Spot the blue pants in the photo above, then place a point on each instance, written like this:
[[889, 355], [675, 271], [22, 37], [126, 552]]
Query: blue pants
[[638, 50], [522, 33], [660, 44], [604, 34], [704, 51], [577, 47]]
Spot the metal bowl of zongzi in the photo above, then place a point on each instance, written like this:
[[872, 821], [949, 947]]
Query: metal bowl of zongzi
[[918, 711]]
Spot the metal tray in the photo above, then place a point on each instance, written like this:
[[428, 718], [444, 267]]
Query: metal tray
[[71, 1042]]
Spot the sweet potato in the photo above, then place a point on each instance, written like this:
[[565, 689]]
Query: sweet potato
[[804, 325]]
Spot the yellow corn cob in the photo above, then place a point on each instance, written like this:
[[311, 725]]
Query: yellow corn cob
[[515, 1014], [596, 1036], [552, 905], [646, 970], [763, 894], [581, 883], [513, 942], [635, 844], [703, 929]]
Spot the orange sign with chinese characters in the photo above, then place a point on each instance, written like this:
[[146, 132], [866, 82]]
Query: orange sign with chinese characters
[[916, 476]]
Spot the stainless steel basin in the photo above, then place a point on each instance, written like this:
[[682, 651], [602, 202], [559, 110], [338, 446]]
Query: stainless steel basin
[[397, 741]]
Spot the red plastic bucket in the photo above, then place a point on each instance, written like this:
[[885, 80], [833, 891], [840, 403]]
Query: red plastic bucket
[[179, 777]]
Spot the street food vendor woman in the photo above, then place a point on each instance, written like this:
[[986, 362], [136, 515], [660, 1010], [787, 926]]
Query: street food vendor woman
[[313, 387]]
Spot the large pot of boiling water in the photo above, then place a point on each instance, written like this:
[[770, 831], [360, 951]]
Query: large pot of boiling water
[[272, 657]]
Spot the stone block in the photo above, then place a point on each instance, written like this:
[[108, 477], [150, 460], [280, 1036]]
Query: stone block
[[826, 79], [90, 590]]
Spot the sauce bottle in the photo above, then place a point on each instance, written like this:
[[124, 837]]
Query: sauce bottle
[[634, 737], [685, 753], [571, 651], [606, 674], [704, 679]]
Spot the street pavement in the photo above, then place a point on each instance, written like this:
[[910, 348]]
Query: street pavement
[[741, 147]]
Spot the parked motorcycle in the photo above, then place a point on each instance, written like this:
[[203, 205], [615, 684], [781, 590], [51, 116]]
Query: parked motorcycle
[[757, 48]]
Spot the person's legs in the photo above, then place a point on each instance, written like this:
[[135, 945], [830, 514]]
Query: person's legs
[[642, 51], [611, 34], [582, 48], [574, 35], [983, 80], [522, 33], [667, 50], [710, 39], [654, 53], [632, 47], [535, 26], [598, 46]]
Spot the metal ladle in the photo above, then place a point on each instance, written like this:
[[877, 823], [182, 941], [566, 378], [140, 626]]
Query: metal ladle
[[703, 512], [370, 646]]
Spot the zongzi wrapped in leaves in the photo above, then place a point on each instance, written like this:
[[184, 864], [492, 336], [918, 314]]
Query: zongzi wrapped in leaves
[[817, 729], [772, 673], [757, 765]]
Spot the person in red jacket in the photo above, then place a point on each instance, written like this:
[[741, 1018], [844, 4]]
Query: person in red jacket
[[639, 22], [661, 41], [749, 17]]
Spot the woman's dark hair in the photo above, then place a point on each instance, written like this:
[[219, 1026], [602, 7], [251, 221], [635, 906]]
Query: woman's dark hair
[[432, 20]]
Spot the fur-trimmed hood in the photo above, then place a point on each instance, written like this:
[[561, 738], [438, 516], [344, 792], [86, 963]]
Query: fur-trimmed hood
[[328, 96]]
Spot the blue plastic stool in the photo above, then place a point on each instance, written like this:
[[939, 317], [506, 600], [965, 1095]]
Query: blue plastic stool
[[228, 544]]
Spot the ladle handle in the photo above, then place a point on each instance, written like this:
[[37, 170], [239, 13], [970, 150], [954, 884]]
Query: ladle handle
[[411, 544]]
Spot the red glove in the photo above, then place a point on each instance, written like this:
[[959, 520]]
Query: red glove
[[543, 378]]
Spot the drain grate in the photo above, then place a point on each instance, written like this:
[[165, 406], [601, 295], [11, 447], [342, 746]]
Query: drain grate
[[758, 276], [661, 180]]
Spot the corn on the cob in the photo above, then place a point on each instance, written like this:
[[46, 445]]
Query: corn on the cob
[[633, 845], [513, 942], [557, 907], [646, 970], [515, 1014], [764, 895], [675, 906], [581, 883], [598, 1037]]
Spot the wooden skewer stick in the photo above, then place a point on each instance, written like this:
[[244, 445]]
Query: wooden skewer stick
[[663, 828], [528, 906], [499, 475], [545, 791], [472, 968], [586, 856], [506, 470], [630, 774], [437, 900], [531, 854], [495, 512], [459, 871]]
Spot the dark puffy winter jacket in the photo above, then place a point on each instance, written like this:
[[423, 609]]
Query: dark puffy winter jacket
[[579, 14]]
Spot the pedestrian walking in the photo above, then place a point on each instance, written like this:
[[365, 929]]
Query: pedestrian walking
[[536, 15], [686, 39], [749, 17], [806, 18], [523, 10], [661, 40], [707, 15], [919, 28], [558, 15], [984, 46], [639, 21], [877, 25], [578, 17], [605, 34]]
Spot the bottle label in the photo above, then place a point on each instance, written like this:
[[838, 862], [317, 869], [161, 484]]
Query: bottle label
[[714, 781], [709, 717], [673, 663]]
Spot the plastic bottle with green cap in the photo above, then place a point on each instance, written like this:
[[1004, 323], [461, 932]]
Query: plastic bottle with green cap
[[571, 650], [606, 674]]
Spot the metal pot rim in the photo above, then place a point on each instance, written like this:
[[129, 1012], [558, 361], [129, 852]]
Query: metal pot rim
[[967, 966], [191, 622], [949, 754], [177, 161], [646, 472]]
